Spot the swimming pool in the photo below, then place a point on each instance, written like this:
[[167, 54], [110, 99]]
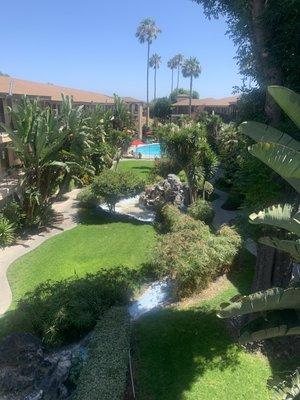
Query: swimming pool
[[149, 150]]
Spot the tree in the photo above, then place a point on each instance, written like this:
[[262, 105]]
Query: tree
[[265, 34], [112, 186], [178, 61], [191, 69], [161, 109], [154, 63], [172, 65], [146, 32], [188, 147], [176, 92]]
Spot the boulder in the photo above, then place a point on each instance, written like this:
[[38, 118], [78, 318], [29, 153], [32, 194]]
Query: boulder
[[28, 372], [171, 190]]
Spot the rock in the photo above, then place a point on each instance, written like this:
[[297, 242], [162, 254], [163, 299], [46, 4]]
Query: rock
[[28, 372], [171, 190]]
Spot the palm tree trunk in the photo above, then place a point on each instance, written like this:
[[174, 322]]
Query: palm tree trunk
[[178, 71], [148, 56], [172, 84], [155, 70], [191, 92]]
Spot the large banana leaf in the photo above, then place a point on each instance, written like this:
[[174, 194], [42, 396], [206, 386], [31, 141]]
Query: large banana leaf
[[271, 299], [265, 133], [288, 100], [289, 246], [281, 216], [272, 324], [282, 159], [288, 390]]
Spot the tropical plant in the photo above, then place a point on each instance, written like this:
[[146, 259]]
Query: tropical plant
[[187, 146], [146, 32], [120, 140], [178, 61], [191, 69], [277, 309], [154, 63], [7, 231], [172, 65], [112, 186], [37, 141]]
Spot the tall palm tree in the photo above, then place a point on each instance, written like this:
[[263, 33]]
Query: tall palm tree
[[146, 32], [172, 65], [154, 63], [178, 61], [191, 69]]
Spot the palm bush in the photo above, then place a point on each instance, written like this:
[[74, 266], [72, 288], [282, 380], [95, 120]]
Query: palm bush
[[7, 231]]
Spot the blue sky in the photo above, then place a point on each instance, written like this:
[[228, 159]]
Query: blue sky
[[91, 44]]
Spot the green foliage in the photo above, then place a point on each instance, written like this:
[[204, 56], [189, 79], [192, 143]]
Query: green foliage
[[201, 210], [7, 231], [104, 376], [62, 312], [187, 146], [113, 186], [163, 167], [176, 92], [87, 198], [12, 211], [191, 254], [161, 109]]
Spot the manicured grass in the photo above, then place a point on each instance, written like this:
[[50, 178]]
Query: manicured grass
[[187, 353], [98, 242], [141, 167]]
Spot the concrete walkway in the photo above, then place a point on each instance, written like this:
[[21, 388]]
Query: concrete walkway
[[67, 210]]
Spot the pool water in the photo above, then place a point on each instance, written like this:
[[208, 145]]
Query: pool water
[[149, 150]]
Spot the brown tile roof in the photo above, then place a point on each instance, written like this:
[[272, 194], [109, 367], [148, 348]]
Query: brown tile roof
[[132, 100], [226, 101], [50, 91]]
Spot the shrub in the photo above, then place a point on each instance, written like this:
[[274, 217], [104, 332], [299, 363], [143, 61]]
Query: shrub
[[62, 312], [112, 186], [105, 374], [201, 210], [191, 254], [12, 211], [163, 167], [7, 231], [87, 198]]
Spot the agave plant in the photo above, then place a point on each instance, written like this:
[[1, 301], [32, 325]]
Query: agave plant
[[277, 310]]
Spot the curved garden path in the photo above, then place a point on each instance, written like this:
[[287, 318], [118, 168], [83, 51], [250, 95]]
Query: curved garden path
[[67, 211]]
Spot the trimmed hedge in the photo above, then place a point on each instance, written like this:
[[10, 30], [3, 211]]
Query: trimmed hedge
[[191, 254], [104, 376]]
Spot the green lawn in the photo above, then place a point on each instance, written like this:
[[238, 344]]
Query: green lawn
[[141, 167], [187, 354], [99, 242]]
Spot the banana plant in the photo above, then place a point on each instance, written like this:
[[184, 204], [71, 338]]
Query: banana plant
[[276, 311]]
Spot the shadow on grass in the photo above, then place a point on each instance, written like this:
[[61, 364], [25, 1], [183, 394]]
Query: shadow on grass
[[98, 216], [63, 312], [174, 347]]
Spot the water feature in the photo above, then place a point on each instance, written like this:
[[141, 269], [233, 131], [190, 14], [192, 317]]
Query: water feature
[[132, 208], [157, 295]]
